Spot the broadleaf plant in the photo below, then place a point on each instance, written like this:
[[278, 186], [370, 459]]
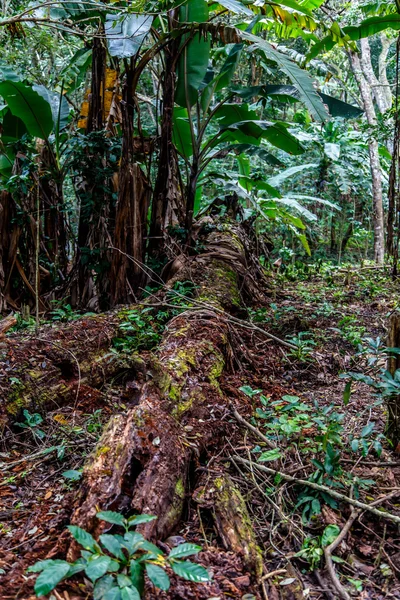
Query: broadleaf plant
[[117, 564]]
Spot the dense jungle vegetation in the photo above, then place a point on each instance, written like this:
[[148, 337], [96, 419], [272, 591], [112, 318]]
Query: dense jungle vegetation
[[199, 300]]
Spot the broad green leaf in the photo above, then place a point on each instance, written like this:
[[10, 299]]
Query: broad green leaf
[[236, 7], [366, 28], [74, 73], [278, 179], [229, 67], [73, 475], [13, 128], [191, 571], [184, 550], [259, 151], [126, 34], [130, 593], [193, 61], [136, 572], [123, 580], [152, 548], [97, 566], [41, 565], [111, 517], [181, 135], [58, 105], [373, 25], [111, 544], [113, 594], [298, 207], [338, 108], [50, 577], [132, 541], [347, 393], [158, 576], [270, 455], [329, 535], [83, 538], [368, 429], [29, 106], [139, 519], [298, 76], [304, 242], [332, 151], [102, 586]]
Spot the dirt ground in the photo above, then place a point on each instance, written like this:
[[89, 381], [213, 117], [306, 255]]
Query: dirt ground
[[36, 500]]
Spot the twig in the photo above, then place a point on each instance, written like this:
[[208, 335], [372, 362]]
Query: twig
[[323, 488], [256, 431], [328, 555]]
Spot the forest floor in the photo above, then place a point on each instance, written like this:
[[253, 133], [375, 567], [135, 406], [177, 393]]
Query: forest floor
[[292, 396]]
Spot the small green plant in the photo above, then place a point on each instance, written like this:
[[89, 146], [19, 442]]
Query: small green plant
[[32, 422], [350, 331], [116, 565], [304, 346], [312, 549], [62, 312], [140, 330]]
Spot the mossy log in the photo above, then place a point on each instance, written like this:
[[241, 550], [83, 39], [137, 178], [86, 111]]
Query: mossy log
[[147, 458], [60, 364], [223, 498]]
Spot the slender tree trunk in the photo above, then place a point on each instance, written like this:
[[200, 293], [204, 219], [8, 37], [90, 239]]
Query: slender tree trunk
[[393, 402], [127, 269], [377, 194], [167, 205]]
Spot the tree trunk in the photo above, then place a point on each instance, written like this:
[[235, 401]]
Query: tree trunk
[[127, 269], [167, 206], [377, 195], [148, 458], [393, 402]]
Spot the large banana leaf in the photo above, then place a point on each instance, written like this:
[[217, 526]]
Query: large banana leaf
[[278, 179], [366, 28], [125, 35], [74, 73], [300, 78], [259, 151], [29, 106], [181, 134], [236, 7], [193, 62], [12, 128], [58, 105], [289, 93]]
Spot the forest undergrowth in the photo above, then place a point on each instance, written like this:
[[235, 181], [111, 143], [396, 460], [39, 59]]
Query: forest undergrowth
[[292, 419]]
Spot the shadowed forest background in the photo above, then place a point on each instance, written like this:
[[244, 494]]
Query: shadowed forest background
[[199, 300]]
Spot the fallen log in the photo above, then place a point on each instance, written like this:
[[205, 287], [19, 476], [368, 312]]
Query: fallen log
[[148, 457]]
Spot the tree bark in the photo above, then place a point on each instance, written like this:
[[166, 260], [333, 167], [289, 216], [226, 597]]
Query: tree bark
[[127, 268], [393, 363], [167, 206], [377, 194]]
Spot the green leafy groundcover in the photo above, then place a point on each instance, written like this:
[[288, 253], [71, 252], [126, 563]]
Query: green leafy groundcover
[[117, 564]]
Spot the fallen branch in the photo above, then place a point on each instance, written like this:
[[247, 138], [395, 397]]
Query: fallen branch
[[6, 324], [251, 427], [328, 555], [323, 488]]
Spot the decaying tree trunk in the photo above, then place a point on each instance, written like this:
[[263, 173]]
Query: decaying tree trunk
[[393, 402], [143, 461], [148, 458]]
